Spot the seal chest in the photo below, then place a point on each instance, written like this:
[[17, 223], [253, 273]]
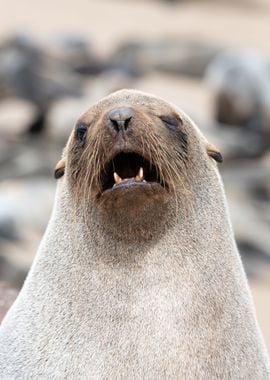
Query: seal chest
[[138, 275]]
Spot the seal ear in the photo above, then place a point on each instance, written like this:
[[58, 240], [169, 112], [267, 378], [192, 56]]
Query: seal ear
[[60, 168], [213, 152]]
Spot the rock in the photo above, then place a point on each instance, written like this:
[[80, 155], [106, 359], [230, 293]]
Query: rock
[[77, 53], [12, 271], [249, 226], [8, 295], [177, 57], [250, 212], [28, 72], [25, 208], [8, 230], [236, 142], [256, 263], [241, 84], [27, 157], [16, 117], [26, 204]]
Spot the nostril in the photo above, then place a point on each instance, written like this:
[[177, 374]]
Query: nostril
[[115, 124], [120, 118], [126, 123]]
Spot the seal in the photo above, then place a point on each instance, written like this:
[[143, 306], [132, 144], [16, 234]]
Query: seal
[[138, 274], [240, 81]]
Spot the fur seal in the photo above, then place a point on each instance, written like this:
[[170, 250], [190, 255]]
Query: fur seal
[[138, 275], [241, 85]]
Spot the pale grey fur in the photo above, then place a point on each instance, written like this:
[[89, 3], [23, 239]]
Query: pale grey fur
[[94, 307]]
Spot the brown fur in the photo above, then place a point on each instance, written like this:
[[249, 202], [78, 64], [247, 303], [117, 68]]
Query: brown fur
[[149, 137], [136, 283]]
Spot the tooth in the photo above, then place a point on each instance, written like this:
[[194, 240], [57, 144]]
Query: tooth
[[139, 176], [117, 178]]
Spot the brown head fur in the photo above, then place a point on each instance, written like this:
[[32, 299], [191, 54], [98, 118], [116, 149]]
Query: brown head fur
[[158, 133]]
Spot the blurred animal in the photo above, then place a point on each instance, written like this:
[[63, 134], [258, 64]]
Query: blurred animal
[[241, 82]]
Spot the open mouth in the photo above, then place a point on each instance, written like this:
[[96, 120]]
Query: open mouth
[[128, 170]]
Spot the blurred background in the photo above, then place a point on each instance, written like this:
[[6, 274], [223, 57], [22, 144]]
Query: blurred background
[[211, 58]]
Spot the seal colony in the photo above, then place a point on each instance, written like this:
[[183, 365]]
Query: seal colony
[[138, 275]]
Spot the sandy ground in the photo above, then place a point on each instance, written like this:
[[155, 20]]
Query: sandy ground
[[106, 23]]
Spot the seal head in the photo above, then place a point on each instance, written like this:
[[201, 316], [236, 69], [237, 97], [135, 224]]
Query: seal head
[[128, 158]]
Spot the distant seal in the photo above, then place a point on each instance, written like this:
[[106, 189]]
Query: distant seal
[[138, 275], [240, 80]]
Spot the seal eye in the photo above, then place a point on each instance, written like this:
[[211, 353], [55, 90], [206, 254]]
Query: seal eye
[[171, 122], [80, 132]]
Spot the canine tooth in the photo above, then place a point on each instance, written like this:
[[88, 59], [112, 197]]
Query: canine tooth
[[117, 178], [139, 176]]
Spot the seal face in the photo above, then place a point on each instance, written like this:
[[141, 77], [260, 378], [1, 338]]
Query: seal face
[[127, 149], [131, 158]]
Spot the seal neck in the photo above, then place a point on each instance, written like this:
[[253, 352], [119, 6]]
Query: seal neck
[[70, 241]]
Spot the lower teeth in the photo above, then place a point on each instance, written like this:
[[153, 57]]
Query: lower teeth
[[129, 179]]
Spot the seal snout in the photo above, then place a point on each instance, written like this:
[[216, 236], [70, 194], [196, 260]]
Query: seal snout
[[120, 119]]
